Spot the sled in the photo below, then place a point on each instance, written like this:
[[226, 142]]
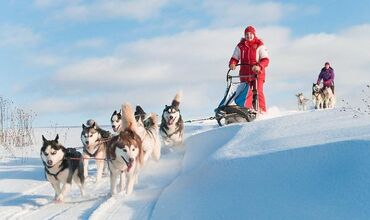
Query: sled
[[232, 107]]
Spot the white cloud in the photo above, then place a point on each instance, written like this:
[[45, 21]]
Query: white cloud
[[96, 9], [149, 72], [90, 43], [226, 13], [17, 36], [45, 60]]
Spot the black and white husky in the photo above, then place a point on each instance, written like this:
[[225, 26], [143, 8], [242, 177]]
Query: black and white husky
[[116, 121], [62, 165], [94, 140], [126, 155], [172, 125]]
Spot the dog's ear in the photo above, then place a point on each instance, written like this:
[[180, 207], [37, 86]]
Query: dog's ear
[[44, 139], [120, 112], [93, 125], [115, 112], [83, 126], [56, 138]]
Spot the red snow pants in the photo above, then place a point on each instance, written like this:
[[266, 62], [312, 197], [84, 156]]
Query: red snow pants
[[260, 96]]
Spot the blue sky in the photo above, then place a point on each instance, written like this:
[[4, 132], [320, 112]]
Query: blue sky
[[72, 60]]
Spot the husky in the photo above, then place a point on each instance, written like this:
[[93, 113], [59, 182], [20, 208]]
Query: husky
[[94, 140], [62, 165], [172, 125], [116, 121], [329, 97], [317, 96], [147, 129], [125, 154], [301, 101]]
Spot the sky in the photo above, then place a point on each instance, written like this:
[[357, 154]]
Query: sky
[[72, 60]]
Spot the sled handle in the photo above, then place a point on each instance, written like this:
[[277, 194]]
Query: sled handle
[[228, 76]]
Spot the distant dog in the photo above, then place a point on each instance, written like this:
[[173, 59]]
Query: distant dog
[[302, 101], [60, 168], [125, 154], [317, 96], [172, 125], [94, 140], [329, 97]]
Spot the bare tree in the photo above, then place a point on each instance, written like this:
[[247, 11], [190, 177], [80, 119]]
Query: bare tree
[[15, 126]]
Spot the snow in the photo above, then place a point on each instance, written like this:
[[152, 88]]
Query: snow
[[285, 165]]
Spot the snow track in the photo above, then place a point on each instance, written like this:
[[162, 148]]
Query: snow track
[[33, 197]]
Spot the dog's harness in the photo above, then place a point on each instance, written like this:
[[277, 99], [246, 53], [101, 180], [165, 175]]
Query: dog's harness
[[55, 175], [128, 164], [170, 135], [96, 151]]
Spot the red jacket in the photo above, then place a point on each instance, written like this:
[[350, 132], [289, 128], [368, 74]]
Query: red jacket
[[250, 52]]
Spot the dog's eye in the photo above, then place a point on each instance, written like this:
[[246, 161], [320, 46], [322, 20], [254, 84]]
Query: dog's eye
[[46, 154], [53, 153], [124, 150], [90, 135], [133, 149]]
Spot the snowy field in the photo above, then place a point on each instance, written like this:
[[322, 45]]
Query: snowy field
[[286, 165]]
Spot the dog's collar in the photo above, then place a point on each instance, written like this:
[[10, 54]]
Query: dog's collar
[[178, 130], [96, 151], [129, 164], [55, 175]]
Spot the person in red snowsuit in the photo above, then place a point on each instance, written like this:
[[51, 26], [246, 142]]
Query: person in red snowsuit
[[251, 50]]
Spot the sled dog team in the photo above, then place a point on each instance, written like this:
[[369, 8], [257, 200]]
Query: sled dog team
[[321, 97], [136, 139]]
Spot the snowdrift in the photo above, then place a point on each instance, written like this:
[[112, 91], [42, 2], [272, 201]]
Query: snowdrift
[[313, 165]]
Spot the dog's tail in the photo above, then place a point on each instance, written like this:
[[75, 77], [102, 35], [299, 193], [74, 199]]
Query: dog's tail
[[128, 117], [176, 100]]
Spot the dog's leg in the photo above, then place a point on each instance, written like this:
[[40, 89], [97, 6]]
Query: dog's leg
[[56, 186], [113, 179], [156, 154], [86, 164], [130, 183], [65, 189], [79, 182], [122, 182], [99, 169]]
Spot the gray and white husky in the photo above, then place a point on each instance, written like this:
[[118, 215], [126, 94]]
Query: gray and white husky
[[317, 96], [126, 155], [94, 140], [62, 165], [172, 125]]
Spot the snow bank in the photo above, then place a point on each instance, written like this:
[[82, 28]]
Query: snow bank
[[313, 165]]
